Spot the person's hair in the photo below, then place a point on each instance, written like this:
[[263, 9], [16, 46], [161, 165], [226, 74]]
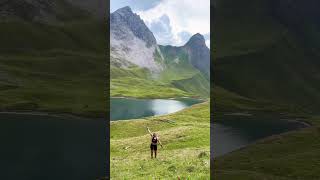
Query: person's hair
[[154, 134]]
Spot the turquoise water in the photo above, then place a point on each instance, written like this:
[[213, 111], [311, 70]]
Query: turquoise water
[[126, 108]]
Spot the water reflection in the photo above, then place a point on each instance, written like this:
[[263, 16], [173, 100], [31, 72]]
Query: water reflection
[[227, 139], [124, 108], [233, 132], [161, 106]]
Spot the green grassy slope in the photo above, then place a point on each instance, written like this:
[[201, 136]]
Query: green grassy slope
[[180, 73], [61, 83], [226, 101], [25, 37], [185, 136], [55, 67], [291, 156], [259, 58], [137, 82], [263, 62], [196, 84], [178, 79]]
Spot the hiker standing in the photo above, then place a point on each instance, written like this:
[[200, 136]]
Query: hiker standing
[[154, 142]]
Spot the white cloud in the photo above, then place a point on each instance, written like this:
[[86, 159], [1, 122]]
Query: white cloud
[[208, 43], [162, 30], [188, 16], [134, 4]]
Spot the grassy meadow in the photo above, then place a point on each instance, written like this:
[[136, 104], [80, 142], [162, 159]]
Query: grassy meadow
[[171, 83], [53, 67], [185, 136], [62, 83], [261, 64], [290, 156], [142, 88]]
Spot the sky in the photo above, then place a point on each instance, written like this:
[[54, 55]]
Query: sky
[[172, 22]]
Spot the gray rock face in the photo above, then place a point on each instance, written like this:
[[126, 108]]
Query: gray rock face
[[132, 41], [124, 18], [199, 53]]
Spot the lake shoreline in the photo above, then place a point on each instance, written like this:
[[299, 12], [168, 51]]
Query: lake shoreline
[[161, 97], [192, 123], [304, 123], [52, 114], [118, 104], [148, 117]]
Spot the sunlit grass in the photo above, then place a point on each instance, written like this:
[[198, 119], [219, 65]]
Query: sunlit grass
[[186, 140]]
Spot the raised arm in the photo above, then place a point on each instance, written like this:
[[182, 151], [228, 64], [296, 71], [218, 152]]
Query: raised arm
[[149, 131]]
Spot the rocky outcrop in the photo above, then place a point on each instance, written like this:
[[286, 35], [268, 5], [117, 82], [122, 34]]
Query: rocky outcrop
[[132, 41], [124, 19], [199, 53]]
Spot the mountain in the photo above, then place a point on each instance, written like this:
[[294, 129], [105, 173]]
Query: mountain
[[31, 24], [267, 51], [188, 66], [40, 10], [266, 60], [52, 54], [301, 18], [53, 11], [181, 71], [199, 53], [131, 40], [96, 7]]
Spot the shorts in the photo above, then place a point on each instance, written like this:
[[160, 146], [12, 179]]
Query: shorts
[[153, 147]]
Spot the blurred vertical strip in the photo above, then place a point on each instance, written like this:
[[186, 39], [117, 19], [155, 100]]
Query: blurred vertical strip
[[212, 102]]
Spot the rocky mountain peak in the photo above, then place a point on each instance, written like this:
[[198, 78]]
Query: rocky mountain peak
[[196, 40], [125, 18], [131, 41], [199, 53], [125, 11]]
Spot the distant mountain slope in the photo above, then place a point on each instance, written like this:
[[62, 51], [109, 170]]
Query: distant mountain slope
[[182, 71], [41, 10], [199, 53], [51, 56], [96, 7], [188, 66], [267, 51], [194, 53], [42, 25], [302, 18]]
